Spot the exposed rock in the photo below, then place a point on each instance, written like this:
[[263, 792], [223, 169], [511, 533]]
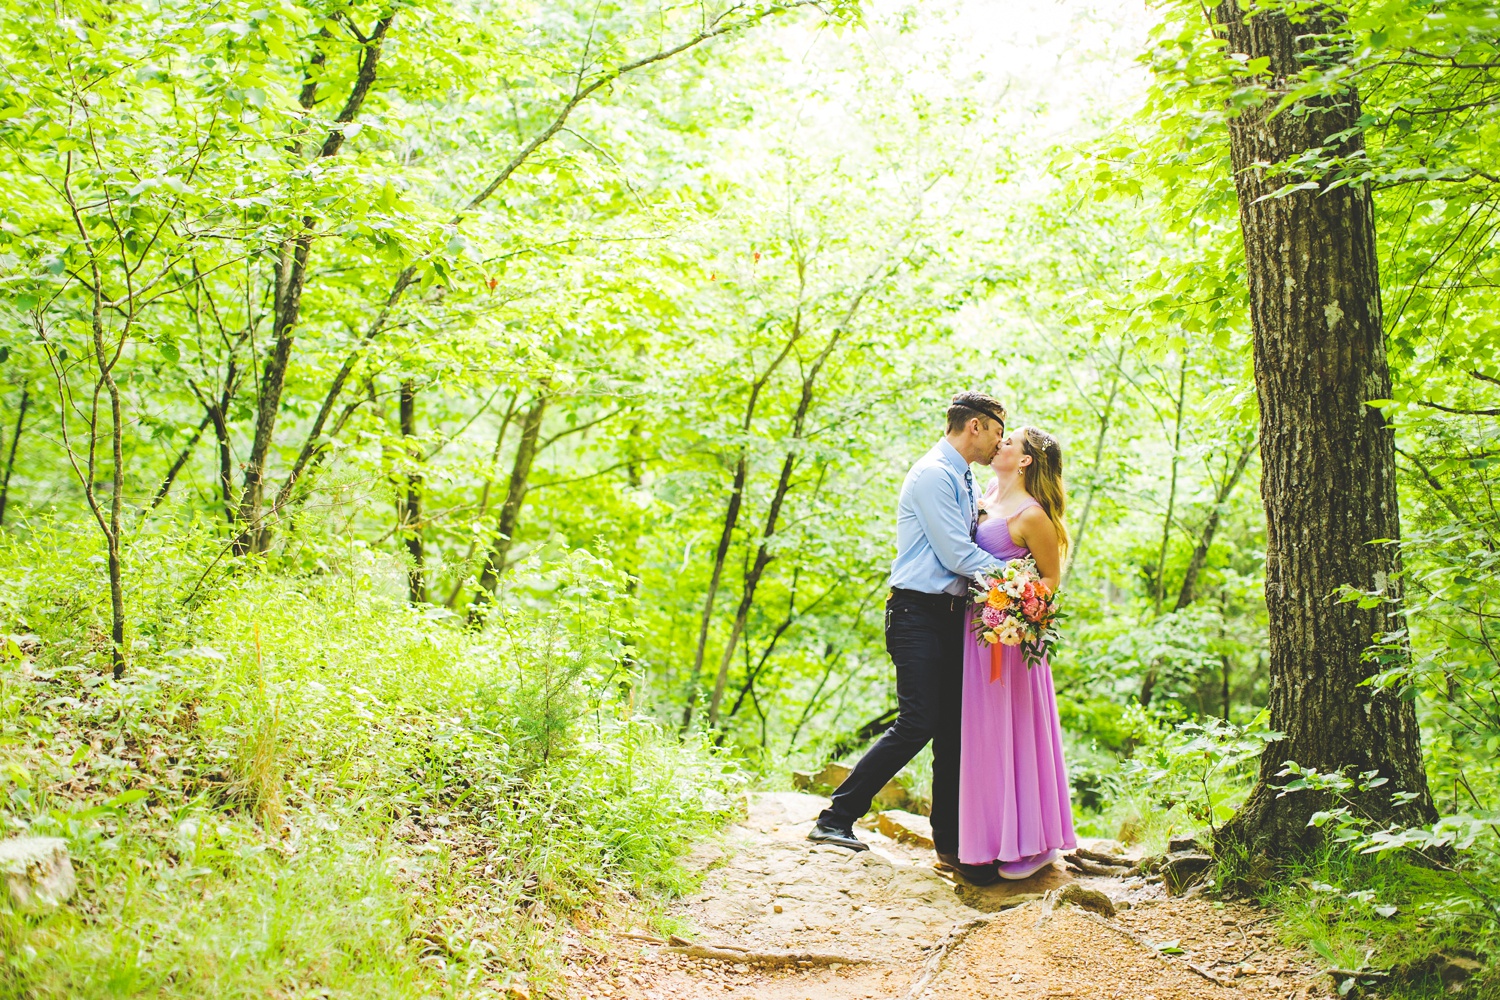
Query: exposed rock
[[37, 873], [1088, 899], [1181, 869], [1184, 844], [893, 795], [1453, 967], [906, 827], [832, 775]]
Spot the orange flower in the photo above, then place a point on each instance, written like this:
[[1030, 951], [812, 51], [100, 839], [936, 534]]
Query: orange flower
[[998, 599]]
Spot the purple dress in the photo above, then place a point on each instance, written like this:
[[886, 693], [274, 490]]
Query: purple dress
[[1013, 783]]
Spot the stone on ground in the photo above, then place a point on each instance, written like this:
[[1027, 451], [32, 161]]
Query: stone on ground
[[1088, 899], [905, 827], [37, 873]]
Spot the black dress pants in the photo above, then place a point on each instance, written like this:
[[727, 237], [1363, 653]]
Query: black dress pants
[[924, 637]]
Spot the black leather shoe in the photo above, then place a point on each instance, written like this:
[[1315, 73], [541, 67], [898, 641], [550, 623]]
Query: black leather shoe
[[973, 874], [822, 834]]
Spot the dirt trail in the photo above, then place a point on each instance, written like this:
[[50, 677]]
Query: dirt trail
[[813, 922]]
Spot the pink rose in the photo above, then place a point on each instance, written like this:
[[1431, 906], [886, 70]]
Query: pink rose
[[991, 617], [1031, 608]]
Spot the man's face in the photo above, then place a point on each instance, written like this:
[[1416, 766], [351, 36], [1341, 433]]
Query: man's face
[[990, 434]]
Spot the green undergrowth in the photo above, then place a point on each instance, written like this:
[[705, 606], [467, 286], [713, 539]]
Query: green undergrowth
[[305, 787], [1387, 913]]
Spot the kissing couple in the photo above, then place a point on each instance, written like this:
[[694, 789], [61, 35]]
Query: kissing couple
[[1000, 803]]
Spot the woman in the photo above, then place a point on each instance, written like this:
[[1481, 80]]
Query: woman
[[1013, 803]]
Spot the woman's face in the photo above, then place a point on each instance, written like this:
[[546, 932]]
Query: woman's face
[[1011, 456]]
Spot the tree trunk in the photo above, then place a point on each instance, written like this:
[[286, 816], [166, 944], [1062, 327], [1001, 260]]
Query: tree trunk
[[181, 460], [1329, 471], [1166, 524], [510, 510], [291, 280], [484, 493], [731, 520], [10, 458], [411, 506], [1148, 683], [1211, 528], [1105, 416]]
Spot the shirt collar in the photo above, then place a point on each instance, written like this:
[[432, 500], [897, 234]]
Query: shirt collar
[[953, 458]]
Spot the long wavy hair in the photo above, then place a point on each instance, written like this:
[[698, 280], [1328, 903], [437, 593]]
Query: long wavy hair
[[1043, 479]]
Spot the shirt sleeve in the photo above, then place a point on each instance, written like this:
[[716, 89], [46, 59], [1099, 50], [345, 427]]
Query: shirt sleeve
[[935, 500]]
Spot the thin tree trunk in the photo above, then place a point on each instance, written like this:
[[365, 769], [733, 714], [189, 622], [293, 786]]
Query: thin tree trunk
[[1211, 528], [830, 660], [1166, 524], [1328, 459], [583, 90], [731, 520], [182, 459], [763, 553], [510, 510], [411, 507], [1148, 683], [484, 493], [291, 280], [1105, 416], [10, 458]]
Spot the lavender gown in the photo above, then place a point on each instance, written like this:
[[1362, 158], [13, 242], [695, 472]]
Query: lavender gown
[[1013, 783]]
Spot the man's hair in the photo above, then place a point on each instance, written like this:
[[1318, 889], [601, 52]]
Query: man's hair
[[968, 405]]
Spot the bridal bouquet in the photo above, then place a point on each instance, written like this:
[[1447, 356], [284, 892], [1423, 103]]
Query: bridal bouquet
[[1015, 608]]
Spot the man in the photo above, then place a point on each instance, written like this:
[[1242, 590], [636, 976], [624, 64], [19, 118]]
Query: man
[[924, 630]]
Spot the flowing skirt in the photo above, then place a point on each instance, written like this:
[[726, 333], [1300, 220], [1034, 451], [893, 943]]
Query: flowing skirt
[[1013, 798]]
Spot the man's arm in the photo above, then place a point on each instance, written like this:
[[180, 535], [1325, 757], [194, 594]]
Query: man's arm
[[935, 501]]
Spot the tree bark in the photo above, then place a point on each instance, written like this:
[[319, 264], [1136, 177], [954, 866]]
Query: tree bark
[[1329, 466], [411, 506], [10, 458], [510, 510]]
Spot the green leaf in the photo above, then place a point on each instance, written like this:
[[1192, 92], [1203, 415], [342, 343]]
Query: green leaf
[[127, 798]]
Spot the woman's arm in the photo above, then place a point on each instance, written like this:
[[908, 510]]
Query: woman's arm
[[1038, 534]]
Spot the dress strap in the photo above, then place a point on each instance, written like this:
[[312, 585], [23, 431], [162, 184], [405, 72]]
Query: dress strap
[[1032, 502]]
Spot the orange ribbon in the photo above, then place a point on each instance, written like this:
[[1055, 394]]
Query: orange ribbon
[[996, 663]]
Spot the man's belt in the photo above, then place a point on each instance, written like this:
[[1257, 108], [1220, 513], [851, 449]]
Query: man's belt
[[946, 602]]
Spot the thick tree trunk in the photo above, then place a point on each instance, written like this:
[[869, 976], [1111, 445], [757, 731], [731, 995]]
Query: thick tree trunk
[[411, 505], [1329, 472]]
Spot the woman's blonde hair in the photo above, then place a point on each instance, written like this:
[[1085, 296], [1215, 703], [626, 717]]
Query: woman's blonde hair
[[1044, 481]]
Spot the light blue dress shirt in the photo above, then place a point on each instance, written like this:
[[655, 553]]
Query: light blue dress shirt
[[935, 519]]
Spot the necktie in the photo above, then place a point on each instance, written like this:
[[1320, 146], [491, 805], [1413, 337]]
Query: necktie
[[969, 499]]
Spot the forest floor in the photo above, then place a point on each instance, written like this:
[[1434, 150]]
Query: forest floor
[[814, 922]]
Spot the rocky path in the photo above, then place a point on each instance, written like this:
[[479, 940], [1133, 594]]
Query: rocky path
[[778, 918]]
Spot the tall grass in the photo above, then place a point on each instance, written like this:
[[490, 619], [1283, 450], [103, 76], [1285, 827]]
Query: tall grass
[[305, 787]]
